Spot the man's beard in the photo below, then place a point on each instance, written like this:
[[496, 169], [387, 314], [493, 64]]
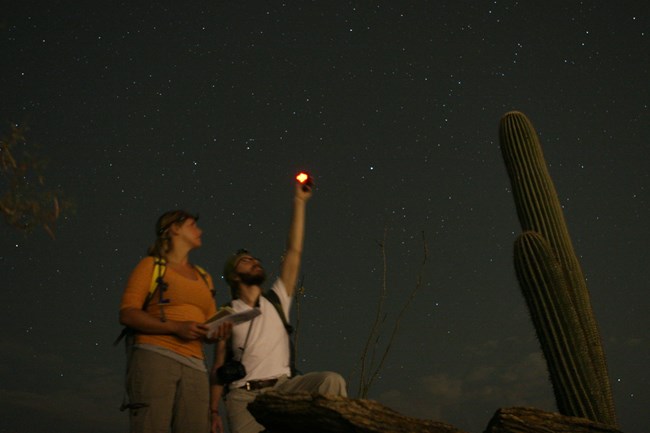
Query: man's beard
[[253, 279]]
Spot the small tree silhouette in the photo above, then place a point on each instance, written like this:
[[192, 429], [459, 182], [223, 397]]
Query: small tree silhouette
[[370, 365], [25, 201]]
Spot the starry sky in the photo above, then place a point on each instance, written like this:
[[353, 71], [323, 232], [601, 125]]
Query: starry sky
[[142, 107]]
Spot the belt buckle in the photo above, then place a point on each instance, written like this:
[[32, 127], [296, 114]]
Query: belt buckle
[[248, 386]]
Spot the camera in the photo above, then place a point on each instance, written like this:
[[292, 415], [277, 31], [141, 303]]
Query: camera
[[231, 371]]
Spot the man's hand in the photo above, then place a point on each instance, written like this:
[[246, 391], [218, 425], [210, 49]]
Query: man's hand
[[303, 191]]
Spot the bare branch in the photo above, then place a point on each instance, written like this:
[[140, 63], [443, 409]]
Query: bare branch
[[376, 327], [403, 310]]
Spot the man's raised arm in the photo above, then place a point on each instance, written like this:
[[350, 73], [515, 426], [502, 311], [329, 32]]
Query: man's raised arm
[[293, 254]]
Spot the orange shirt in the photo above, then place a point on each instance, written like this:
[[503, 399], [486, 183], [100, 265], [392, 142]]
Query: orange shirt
[[188, 300]]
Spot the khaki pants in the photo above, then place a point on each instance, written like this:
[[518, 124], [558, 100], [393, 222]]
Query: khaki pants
[[175, 395], [240, 419]]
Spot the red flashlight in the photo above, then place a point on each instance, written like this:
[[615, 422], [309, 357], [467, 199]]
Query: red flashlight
[[305, 180]]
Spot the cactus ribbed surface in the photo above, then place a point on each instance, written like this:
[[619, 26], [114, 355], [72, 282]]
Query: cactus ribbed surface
[[552, 281]]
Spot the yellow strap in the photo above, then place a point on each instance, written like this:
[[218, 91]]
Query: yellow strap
[[204, 275], [159, 265], [201, 270]]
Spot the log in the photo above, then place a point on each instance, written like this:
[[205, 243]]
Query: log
[[315, 413], [531, 420]]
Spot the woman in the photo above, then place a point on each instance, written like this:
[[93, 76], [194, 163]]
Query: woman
[[167, 381]]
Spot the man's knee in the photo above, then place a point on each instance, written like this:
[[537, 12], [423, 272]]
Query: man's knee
[[333, 383]]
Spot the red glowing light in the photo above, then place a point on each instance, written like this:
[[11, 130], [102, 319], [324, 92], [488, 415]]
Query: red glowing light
[[302, 177]]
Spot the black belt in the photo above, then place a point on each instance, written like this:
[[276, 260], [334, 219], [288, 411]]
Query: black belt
[[254, 385]]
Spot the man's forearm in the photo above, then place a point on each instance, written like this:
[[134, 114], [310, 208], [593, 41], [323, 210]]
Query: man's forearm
[[297, 228], [295, 240]]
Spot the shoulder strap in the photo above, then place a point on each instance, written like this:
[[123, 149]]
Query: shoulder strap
[[204, 275], [159, 268], [273, 298], [157, 282], [202, 271]]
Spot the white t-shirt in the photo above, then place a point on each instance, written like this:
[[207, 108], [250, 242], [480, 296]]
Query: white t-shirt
[[267, 353]]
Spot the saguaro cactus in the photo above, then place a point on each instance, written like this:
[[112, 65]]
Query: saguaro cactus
[[552, 281]]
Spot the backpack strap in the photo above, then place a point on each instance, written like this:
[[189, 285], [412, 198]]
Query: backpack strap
[[273, 298], [157, 282], [159, 268], [204, 275]]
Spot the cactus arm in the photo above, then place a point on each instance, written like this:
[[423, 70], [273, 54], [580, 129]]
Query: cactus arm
[[544, 287]]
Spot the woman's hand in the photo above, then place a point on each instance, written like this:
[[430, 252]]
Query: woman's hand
[[223, 333], [216, 424], [190, 330]]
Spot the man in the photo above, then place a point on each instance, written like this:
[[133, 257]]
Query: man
[[263, 344]]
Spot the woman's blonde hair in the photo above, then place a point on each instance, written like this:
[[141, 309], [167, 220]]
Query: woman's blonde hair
[[163, 244]]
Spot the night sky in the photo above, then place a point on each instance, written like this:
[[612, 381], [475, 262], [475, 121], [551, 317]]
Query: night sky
[[393, 106]]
